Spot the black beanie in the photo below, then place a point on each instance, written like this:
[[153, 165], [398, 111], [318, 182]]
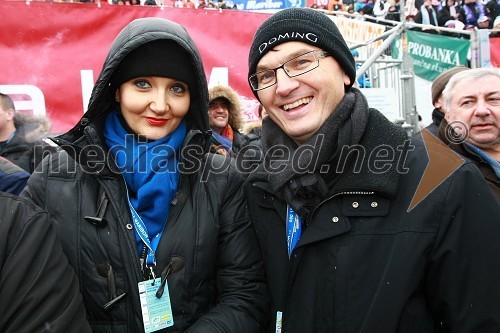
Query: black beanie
[[163, 58], [303, 25]]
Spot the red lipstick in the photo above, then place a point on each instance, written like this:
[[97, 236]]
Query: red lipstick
[[157, 122]]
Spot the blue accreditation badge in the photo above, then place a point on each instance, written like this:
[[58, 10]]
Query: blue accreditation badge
[[293, 229], [279, 321], [156, 312]]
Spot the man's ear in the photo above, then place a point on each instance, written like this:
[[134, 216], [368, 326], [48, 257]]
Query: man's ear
[[447, 115], [10, 113], [347, 80]]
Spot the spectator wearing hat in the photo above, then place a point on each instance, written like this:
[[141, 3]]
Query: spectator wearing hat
[[224, 113], [437, 88], [353, 243], [363, 80]]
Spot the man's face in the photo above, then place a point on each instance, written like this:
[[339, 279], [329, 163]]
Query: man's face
[[218, 114], [476, 104], [301, 104], [6, 117]]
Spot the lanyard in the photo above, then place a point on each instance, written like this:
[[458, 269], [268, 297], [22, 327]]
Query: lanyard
[[142, 231], [293, 229]]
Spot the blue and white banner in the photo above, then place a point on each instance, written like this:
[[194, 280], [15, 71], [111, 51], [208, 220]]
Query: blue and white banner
[[268, 4]]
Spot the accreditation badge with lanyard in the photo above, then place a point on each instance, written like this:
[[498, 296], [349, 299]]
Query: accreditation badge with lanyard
[[293, 233], [155, 307]]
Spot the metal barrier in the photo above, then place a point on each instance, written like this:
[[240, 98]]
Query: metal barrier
[[376, 64]]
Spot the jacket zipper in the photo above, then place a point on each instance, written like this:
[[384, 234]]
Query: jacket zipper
[[284, 325]]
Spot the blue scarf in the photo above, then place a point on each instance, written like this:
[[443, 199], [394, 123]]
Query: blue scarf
[[150, 171], [425, 15], [495, 165]]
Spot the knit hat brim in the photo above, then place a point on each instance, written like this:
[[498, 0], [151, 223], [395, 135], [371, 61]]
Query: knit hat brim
[[163, 58], [441, 81]]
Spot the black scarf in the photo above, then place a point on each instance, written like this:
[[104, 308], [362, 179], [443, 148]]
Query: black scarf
[[301, 178]]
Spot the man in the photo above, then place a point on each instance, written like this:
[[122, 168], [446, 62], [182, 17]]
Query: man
[[21, 135], [427, 16], [472, 102], [224, 113], [39, 291], [437, 97], [356, 234]]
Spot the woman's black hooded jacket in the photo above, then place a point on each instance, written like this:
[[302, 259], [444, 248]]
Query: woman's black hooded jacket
[[218, 283]]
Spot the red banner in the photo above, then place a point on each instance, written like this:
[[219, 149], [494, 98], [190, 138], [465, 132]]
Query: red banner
[[52, 53], [495, 51]]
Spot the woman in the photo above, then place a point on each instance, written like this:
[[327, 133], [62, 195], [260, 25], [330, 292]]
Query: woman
[[141, 207]]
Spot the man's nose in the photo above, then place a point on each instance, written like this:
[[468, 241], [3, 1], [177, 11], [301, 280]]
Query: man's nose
[[482, 108], [284, 83]]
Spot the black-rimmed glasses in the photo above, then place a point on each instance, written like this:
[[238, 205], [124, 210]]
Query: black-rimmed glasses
[[296, 66]]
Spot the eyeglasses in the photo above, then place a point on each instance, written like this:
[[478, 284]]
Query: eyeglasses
[[296, 66]]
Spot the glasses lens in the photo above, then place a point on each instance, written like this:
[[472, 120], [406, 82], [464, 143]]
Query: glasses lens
[[263, 79], [301, 64]]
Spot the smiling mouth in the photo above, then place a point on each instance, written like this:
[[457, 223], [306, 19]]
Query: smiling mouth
[[298, 103], [156, 121]]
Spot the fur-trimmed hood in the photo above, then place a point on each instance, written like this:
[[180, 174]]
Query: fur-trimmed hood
[[235, 108], [32, 128]]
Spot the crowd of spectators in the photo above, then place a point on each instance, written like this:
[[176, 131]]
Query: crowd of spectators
[[455, 14], [214, 4]]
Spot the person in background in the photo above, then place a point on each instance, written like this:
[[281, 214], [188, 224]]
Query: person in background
[[355, 234], [252, 130], [363, 80], [496, 26], [449, 12], [13, 179], [225, 116], [381, 8], [21, 135], [394, 13], [437, 88], [38, 289], [154, 225], [473, 14], [427, 15], [472, 121], [252, 149]]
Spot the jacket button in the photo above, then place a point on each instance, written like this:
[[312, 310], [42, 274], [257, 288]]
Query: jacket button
[[335, 219], [355, 204], [374, 204], [129, 226]]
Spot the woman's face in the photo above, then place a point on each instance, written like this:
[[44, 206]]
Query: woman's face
[[153, 106]]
